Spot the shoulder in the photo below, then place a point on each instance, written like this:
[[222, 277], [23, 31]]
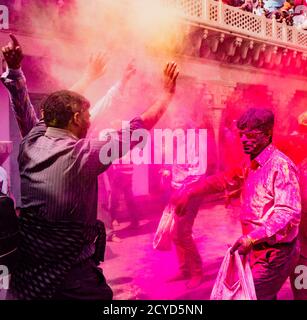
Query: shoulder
[[38, 130], [283, 169], [281, 161]]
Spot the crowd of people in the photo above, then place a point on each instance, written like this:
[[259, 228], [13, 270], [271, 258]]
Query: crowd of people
[[294, 12], [61, 241]]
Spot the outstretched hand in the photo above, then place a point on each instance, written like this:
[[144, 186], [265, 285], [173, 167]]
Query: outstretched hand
[[96, 67], [12, 53], [170, 76], [129, 72]]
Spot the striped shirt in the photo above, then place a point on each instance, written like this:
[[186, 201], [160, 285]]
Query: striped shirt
[[59, 171]]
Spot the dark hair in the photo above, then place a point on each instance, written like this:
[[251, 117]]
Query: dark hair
[[60, 106], [257, 118]]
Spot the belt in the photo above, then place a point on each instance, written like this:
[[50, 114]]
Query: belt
[[280, 245]]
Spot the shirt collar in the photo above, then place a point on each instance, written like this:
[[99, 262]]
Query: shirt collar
[[265, 155], [59, 133]]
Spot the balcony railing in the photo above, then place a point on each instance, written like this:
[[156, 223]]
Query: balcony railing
[[217, 15]]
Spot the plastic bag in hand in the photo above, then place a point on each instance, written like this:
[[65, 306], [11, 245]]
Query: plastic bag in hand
[[163, 236], [234, 280]]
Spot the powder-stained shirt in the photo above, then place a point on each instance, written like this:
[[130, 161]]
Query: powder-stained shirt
[[59, 171], [303, 224], [270, 196], [271, 208]]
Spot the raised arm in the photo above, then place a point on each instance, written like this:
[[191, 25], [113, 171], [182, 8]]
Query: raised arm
[[107, 101], [95, 68], [221, 182], [116, 144], [152, 115], [15, 81]]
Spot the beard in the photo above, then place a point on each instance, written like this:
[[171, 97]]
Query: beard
[[255, 147]]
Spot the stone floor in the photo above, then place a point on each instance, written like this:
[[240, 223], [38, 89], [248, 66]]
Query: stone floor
[[135, 270]]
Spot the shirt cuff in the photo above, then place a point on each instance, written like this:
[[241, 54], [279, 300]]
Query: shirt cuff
[[12, 74], [258, 234], [137, 123]]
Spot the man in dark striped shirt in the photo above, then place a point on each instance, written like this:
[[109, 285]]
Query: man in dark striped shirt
[[59, 169]]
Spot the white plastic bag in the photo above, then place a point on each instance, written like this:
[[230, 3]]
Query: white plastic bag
[[163, 236], [234, 280]]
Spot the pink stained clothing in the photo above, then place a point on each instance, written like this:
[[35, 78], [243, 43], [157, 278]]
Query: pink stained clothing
[[271, 208], [303, 224], [190, 262]]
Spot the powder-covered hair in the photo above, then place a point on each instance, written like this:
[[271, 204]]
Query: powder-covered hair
[[257, 118]]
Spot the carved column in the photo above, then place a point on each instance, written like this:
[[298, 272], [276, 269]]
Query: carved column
[[281, 97], [219, 93]]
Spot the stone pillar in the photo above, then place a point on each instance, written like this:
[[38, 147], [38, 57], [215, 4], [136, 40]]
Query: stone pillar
[[219, 92], [280, 100]]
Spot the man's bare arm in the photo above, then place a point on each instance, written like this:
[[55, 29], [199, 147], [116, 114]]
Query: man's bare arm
[[95, 69], [108, 100], [152, 115]]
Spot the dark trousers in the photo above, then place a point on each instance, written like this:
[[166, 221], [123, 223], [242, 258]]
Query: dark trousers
[[271, 266], [85, 281], [122, 183]]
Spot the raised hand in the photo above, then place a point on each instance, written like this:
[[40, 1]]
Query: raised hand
[[96, 67], [129, 72], [153, 114], [12, 53], [170, 76]]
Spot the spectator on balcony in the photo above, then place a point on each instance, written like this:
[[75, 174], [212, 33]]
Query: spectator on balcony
[[288, 6], [300, 15], [273, 7], [286, 13], [259, 10], [234, 3], [249, 5]]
